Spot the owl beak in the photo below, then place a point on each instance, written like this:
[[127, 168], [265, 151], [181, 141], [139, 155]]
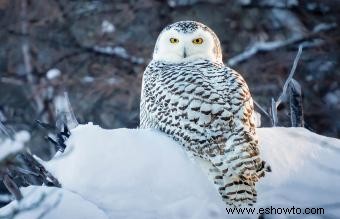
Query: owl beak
[[184, 53]]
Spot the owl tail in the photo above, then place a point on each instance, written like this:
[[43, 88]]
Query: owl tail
[[239, 189], [237, 192], [234, 191]]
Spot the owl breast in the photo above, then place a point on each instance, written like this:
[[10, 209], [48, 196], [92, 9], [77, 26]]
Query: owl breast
[[192, 102]]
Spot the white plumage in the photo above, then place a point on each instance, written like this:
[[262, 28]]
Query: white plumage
[[191, 95]]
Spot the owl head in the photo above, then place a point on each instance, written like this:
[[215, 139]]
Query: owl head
[[187, 41]]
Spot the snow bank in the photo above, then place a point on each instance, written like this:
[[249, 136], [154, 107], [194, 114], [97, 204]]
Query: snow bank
[[305, 170], [9, 146], [51, 203], [136, 173]]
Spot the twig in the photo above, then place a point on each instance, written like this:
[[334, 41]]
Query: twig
[[261, 108]]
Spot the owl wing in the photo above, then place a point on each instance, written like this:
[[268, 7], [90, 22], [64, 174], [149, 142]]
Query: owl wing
[[242, 144], [240, 166]]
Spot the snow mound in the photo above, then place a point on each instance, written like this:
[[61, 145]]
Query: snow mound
[[138, 173], [305, 170], [10, 146], [135, 173], [51, 203]]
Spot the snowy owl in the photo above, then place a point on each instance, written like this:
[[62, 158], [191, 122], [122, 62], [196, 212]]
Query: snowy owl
[[189, 94]]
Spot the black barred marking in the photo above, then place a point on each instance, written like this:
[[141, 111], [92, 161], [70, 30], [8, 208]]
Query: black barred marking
[[195, 120], [218, 164], [184, 26], [218, 177], [225, 171], [239, 192]]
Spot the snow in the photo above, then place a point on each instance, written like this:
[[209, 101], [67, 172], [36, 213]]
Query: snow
[[332, 98], [138, 173], [52, 203], [88, 79], [305, 170], [9, 146], [135, 174], [53, 73], [107, 27]]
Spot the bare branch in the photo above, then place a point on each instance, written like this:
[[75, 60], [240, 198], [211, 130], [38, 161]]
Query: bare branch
[[25, 46], [12, 187], [295, 104], [27, 58]]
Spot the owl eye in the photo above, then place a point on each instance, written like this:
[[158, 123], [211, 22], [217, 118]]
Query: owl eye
[[174, 40], [197, 41]]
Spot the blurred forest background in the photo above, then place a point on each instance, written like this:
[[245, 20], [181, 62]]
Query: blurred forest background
[[96, 50]]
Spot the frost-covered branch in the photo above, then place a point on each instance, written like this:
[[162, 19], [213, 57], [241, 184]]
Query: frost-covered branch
[[64, 112], [273, 112], [269, 3], [117, 51], [273, 45], [290, 77], [261, 108], [291, 93]]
